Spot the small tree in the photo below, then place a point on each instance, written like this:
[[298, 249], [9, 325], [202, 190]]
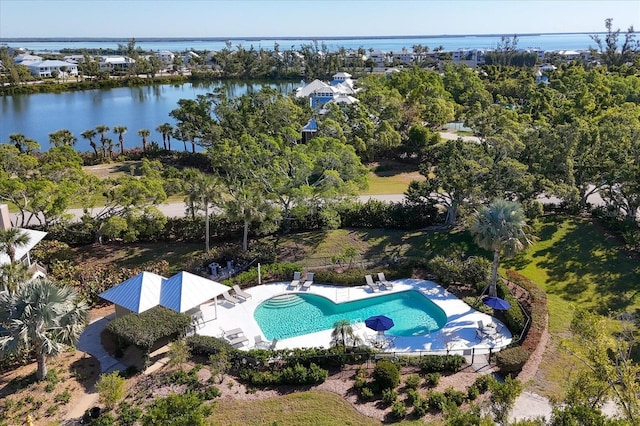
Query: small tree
[[179, 353], [219, 364], [111, 388], [503, 397]]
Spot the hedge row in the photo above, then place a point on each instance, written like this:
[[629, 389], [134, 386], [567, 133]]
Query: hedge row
[[513, 316], [511, 360], [145, 329], [296, 375]]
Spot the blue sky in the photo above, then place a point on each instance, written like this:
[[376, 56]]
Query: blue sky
[[240, 18]]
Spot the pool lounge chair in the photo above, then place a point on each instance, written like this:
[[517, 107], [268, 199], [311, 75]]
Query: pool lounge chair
[[273, 344], [229, 298], [258, 342], [373, 286], [307, 283], [241, 293], [238, 341], [296, 280], [383, 281]]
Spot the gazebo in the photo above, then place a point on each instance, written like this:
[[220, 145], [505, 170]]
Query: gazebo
[[185, 292], [137, 294]]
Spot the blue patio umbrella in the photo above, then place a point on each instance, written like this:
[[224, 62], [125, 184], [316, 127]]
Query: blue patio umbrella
[[496, 303], [379, 323]]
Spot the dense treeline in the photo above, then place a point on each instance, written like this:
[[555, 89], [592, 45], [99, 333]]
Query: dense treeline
[[573, 134]]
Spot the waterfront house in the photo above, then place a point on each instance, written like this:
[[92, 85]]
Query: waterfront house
[[165, 56], [116, 63], [49, 67], [25, 59]]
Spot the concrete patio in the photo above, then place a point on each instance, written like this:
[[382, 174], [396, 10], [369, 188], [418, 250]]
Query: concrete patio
[[458, 336]]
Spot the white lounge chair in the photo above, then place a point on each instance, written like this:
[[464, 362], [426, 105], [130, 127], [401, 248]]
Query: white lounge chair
[[296, 280], [238, 341], [258, 342], [373, 286], [241, 293], [383, 281], [273, 344], [229, 298], [307, 283]]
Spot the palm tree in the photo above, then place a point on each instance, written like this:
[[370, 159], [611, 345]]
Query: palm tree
[[89, 135], [120, 131], [501, 227], [23, 143], [14, 274], [246, 204], [343, 334], [12, 239], [144, 134], [42, 318], [202, 190], [165, 129], [102, 129], [62, 137]]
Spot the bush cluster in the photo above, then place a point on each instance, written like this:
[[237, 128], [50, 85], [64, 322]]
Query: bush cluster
[[514, 318], [296, 375], [379, 214], [537, 308], [355, 277], [439, 363], [472, 271], [511, 360], [207, 345], [145, 329], [386, 375]]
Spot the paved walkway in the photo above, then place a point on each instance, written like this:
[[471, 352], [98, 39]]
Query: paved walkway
[[91, 343]]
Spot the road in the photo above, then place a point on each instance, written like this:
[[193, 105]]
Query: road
[[178, 209]]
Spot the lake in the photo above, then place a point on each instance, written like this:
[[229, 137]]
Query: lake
[[137, 108]]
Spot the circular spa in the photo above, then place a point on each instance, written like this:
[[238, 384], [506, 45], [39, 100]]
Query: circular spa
[[291, 315]]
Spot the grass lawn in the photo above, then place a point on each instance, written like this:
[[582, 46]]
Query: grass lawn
[[300, 408], [385, 183]]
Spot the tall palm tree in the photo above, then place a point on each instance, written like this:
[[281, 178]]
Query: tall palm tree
[[165, 129], [62, 137], [120, 131], [144, 134], [12, 239], [102, 129], [89, 134], [501, 228], [202, 191], [24, 144], [246, 204], [41, 317]]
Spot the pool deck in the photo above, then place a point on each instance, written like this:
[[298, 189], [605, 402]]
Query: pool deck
[[457, 336]]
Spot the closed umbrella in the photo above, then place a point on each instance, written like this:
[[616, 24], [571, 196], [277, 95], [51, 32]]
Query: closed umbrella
[[496, 303]]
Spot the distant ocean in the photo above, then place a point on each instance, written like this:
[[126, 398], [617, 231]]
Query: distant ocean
[[555, 41]]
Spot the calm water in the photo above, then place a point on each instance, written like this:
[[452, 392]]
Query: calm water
[[543, 41], [137, 108], [298, 314]]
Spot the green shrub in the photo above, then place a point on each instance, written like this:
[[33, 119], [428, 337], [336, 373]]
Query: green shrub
[[432, 379], [386, 375], [128, 415], [539, 311], [455, 396], [482, 382], [398, 410], [412, 381], [439, 363], [511, 360], [389, 396], [436, 401], [210, 393], [359, 382], [111, 388], [473, 393], [63, 397], [105, 419], [420, 407], [207, 345], [296, 375], [145, 329], [177, 410], [412, 395], [366, 393]]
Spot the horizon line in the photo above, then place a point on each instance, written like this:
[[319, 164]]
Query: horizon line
[[257, 38]]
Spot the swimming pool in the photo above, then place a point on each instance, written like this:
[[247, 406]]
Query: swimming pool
[[292, 315]]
